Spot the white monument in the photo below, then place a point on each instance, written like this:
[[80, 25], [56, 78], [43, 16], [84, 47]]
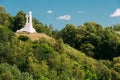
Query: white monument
[[28, 26]]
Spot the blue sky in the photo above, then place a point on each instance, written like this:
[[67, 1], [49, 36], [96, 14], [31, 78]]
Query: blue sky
[[61, 12]]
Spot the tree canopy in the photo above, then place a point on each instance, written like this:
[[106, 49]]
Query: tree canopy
[[86, 52], [93, 40]]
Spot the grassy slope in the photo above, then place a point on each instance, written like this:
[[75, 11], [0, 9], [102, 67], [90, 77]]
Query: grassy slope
[[34, 36]]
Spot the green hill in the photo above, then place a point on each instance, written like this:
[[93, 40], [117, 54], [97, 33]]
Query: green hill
[[85, 52], [50, 59]]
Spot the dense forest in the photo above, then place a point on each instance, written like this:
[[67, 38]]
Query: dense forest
[[86, 52]]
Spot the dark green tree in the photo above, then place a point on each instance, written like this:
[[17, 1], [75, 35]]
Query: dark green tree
[[19, 20], [116, 27], [23, 38], [88, 49], [11, 25], [69, 34]]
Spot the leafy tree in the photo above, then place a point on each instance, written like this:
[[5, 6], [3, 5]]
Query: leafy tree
[[68, 34], [116, 27], [56, 34], [44, 52], [92, 38], [8, 72], [88, 49], [41, 28], [5, 34], [4, 17], [2, 9], [116, 64], [11, 25], [19, 20], [59, 45], [23, 38]]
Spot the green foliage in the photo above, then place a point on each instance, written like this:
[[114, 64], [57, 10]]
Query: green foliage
[[59, 46], [56, 34], [92, 39], [50, 59], [40, 28], [8, 72], [11, 25], [44, 51], [5, 34], [23, 38], [19, 21], [88, 49], [116, 64], [4, 17], [116, 27], [68, 34]]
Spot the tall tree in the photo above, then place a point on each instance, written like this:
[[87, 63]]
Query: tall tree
[[68, 34], [19, 20], [116, 27], [4, 17], [11, 25]]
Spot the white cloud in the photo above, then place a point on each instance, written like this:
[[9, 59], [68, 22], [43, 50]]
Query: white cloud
[[116, 13], [49, 11], [64, 17]]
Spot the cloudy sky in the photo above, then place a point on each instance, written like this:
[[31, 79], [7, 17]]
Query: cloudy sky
[[61, 12]]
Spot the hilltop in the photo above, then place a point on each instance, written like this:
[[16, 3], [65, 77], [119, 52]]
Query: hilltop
[[34, 36]]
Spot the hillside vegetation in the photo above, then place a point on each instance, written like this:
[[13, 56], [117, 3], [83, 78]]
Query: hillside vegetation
[[86, 52]]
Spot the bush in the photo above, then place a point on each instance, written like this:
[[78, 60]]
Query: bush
[[23, 38]]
